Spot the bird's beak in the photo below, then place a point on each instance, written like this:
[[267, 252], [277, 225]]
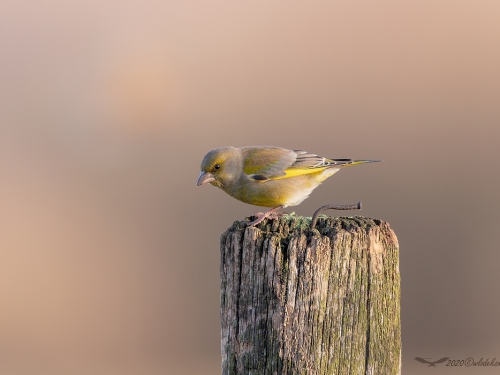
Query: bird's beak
[[205, 178]]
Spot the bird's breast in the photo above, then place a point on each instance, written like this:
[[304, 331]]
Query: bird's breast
[[271, 193]]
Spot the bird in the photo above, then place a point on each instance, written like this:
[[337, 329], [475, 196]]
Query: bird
[[431, 364], [268, 176]]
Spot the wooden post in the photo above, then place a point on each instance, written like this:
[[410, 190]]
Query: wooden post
[[315, 302]]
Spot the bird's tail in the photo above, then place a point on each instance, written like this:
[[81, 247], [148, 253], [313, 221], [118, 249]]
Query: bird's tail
[[350, 163]]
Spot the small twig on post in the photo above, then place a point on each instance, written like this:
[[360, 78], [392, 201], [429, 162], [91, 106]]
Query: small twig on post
[[356, 206]]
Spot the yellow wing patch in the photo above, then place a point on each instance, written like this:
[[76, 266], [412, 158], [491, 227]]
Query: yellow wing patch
[[333, 164], [294, 172]]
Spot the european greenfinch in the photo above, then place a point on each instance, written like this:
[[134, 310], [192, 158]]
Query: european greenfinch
[[268, 176]]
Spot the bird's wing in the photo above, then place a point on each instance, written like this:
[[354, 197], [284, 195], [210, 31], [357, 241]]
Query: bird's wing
[[263, 163], [275, 163], [441, 360], [422, 360], [307, 161]]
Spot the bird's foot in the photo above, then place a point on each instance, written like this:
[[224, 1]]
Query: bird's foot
[[271, 214], [264, 215]]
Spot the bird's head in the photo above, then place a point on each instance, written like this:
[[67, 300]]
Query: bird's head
[[221, 167]]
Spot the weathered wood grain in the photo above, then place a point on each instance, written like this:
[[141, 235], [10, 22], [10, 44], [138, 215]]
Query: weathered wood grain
[[301, 301]]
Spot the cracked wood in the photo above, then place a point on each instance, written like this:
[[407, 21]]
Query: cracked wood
[[316, 302]]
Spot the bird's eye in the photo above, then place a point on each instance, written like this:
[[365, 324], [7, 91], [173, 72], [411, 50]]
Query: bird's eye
[[217, 166]]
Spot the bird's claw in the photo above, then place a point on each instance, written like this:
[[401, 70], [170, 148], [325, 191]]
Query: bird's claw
[[265, 215]]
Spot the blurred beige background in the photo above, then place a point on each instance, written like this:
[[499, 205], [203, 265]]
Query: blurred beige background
[[109, 252]]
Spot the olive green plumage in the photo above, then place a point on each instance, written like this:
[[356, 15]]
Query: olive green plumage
[[268, 176]]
